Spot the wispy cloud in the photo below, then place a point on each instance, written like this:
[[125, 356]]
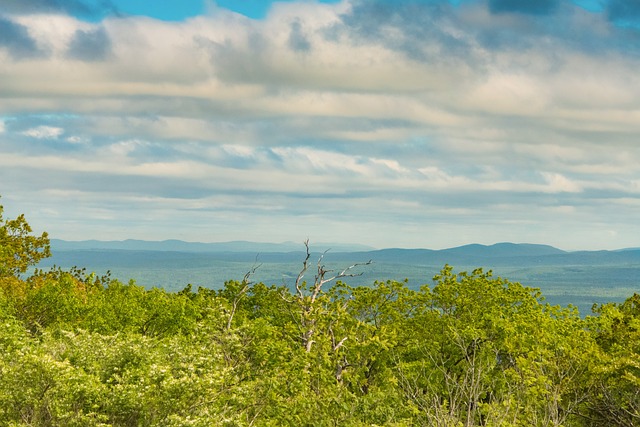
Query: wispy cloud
[[44, 132]]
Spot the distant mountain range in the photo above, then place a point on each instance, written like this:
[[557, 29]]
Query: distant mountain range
[[580, 278], [500, 254], [181, 246]]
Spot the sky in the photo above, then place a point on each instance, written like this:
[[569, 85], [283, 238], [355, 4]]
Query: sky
[[417, 123]]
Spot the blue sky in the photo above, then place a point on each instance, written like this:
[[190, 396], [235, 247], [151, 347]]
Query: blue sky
[[393, 124]]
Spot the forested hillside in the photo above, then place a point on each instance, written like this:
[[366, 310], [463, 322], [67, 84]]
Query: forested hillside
[[468, 349]]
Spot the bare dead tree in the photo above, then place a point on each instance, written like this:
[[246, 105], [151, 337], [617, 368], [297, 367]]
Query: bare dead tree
[[306, 297], [246, 284], [303, 270]]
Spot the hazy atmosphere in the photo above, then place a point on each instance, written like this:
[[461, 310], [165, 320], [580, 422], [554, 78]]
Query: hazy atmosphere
[[391, 124]]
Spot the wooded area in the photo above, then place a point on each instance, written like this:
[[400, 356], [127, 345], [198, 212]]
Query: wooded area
[[467, 349]]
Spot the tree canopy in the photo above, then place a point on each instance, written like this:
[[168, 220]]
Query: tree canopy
[[19, 249], [465, 349]]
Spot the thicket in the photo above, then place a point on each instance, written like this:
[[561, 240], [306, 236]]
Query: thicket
[[468, 349]]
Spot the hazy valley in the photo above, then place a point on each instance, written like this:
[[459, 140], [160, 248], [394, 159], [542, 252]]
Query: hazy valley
[[580, 278]]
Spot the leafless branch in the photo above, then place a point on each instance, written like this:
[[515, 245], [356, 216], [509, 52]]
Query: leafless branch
[[306, 297], [245, 288], [305, 266], [251, 271], [339, 344], [345, 272]]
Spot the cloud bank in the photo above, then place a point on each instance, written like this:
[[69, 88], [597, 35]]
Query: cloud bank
[[419, 124]]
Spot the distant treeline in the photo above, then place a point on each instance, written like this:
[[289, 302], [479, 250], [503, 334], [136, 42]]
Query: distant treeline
[[470, 350]]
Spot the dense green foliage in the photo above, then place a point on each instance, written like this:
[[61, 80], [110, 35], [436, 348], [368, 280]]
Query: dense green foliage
[[18, 248], [468, 350]]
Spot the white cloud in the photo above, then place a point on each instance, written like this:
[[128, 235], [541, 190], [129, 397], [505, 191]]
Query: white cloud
[[239, 150], [52, 32], [558, 183], [124, 148], [76, 140], [44, 132]]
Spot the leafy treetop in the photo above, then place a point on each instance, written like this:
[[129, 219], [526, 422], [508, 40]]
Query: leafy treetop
[[19, 249]]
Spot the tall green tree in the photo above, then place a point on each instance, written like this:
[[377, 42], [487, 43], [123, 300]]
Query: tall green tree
[[614, 398], [19, 248]]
